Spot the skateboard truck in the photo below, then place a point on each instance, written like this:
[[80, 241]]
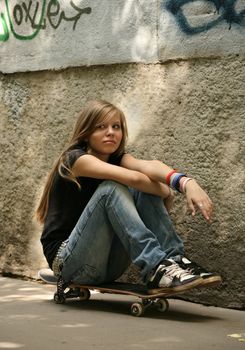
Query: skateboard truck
[[138, 309]]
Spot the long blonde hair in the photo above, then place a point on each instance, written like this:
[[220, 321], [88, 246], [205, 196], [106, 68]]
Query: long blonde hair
[[93, 114]]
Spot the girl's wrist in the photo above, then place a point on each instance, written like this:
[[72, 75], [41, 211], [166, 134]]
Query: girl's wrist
[[189, 184], [176, 180], [183, 183]]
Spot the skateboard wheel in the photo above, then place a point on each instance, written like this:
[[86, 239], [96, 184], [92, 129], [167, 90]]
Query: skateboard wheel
[[137, 309], [84, 294], [162, 305], [59, 299]]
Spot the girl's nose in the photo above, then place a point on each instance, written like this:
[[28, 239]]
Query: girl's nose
[[109, 130]]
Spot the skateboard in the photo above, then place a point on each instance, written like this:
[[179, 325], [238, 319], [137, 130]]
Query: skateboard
[[157, 300]]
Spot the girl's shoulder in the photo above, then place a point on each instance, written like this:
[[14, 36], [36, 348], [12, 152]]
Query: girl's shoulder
[[73, 154]]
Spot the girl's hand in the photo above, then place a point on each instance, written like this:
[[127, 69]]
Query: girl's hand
[[198, 198], [169, 201]]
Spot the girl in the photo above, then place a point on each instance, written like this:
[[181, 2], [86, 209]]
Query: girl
[[103, 209]]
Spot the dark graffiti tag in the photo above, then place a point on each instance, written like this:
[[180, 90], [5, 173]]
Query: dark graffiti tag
[[225, 9], [37, 15]]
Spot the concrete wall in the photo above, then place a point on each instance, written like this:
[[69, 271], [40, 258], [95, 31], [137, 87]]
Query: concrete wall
[[54, 34], [185, 107]]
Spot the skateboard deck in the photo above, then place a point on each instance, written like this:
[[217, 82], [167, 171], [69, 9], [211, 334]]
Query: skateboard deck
[[83, 293]]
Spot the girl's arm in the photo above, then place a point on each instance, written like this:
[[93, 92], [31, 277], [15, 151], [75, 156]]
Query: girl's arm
[[155, 169], [90, 166], [158, 171]]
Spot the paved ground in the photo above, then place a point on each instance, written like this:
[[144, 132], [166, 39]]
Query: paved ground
[[29, 319]]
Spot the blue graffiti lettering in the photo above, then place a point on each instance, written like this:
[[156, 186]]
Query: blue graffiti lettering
[[226, 9]]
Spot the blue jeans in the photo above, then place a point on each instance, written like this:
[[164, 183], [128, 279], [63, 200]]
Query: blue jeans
[[119, 226]]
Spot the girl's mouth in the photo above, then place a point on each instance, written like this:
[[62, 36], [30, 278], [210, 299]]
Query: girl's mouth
[[110, 141]]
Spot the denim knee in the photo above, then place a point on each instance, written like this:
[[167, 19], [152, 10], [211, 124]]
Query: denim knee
[[109, 186]]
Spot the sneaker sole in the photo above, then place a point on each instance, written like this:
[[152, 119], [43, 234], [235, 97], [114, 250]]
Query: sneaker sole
[[178, 289], [212, 281]]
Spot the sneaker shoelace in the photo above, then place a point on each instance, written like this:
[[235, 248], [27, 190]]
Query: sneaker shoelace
[[195, 268], [174, 270]]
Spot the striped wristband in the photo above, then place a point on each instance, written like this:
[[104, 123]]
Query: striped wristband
[[175, 181], [168, 177]]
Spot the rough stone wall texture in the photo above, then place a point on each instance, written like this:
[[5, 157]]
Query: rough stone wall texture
[[190, 114]]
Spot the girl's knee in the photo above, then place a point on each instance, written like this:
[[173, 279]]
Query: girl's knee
[[110, 186]]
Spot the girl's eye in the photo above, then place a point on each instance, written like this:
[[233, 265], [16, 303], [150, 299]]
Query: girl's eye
[[117, 126], [101, 126]]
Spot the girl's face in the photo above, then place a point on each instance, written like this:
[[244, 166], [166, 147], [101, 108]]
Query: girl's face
[[106, 138]]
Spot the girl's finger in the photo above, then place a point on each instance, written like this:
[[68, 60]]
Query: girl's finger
[[205, 210], [191, 207]]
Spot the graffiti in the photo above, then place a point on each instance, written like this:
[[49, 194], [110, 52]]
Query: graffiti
[[36, 15], [225, 9]]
